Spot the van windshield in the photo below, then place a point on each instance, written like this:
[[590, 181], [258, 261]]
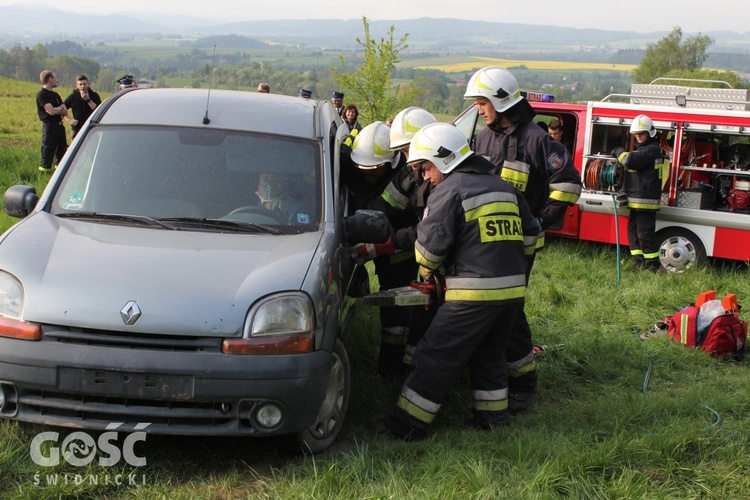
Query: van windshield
[[191, 173]]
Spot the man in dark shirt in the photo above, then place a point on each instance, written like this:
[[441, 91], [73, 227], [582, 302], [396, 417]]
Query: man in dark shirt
[[82, 102], [51, 109]]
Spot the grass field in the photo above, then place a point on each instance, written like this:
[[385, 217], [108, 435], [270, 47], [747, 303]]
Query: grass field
[[616, 417]]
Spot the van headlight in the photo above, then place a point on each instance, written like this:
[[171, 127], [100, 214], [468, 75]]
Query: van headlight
[[11, 305], [11, 296], [279, 324]]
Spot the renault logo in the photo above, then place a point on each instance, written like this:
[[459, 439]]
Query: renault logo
[[131, 312]]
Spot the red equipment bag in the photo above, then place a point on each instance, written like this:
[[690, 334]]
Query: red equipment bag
[[724, 336], [683, 326]]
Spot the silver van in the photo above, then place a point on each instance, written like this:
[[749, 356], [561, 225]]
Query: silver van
[[185, 272]]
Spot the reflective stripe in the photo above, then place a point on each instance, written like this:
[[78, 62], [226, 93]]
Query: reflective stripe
[[566, 187], [684, 321], [514, 177], [539, 241], [485, 283], [490, 395], [515, 365], [394, 335], [644, 203], [529, 244], [651, 256], [418, 407], [394, 197], [491, 405], [486, 295], [521, 367], [644, 206], [490, 203], [425, 258], [636, 252], [566, 192], [509, 208], [496, 400]]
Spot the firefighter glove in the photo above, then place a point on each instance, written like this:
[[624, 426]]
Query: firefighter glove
[[365, 252], [617, 152], [425, 272]]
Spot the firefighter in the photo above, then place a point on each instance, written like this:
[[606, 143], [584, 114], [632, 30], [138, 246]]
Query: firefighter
[[643, 187], [477, 228], [376, 166], [408, 192], [542, 169]]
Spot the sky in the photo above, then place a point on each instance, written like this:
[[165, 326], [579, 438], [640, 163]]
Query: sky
[[692, 16]]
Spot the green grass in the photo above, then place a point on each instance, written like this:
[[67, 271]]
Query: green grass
[[616, 417]]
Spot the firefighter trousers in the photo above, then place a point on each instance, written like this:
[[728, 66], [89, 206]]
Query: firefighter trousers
[[642, 234], [461, 334], [394, 321], [520, 352]]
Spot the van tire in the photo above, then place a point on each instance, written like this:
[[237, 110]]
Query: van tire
[[330, 419]]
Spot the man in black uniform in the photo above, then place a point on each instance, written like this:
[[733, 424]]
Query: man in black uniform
[[82, 102], [542, 169], [479, 229], [51, 109]]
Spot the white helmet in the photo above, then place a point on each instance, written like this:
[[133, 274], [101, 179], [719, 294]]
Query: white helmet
[[440, 143], [643, 123], [496, 84], [407, 122], [371, 147]]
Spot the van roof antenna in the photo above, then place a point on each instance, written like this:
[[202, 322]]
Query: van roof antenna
[[206, 120]]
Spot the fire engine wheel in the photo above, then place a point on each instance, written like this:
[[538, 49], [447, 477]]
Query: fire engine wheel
[[330, 419], [680, 249]]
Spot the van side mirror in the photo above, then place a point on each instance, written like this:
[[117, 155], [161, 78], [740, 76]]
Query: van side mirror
[[366, 226], [19, 201]]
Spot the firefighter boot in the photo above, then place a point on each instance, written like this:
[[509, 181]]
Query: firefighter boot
[[397, 424], [520, 402], [521, 392], [637, 263], [487, 420], [654, 265]]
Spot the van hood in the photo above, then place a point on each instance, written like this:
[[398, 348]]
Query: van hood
[[86, 275]]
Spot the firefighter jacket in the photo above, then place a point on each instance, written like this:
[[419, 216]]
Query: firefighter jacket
[[643, 177], [479, 228], [540, 167], [403, 200]]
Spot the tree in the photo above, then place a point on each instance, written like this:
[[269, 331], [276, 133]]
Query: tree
[[369, 85], [671, 54]]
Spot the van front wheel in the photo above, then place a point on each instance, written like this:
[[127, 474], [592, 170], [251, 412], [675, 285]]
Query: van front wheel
[[330, 419]]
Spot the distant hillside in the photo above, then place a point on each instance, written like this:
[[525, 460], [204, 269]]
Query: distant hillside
[[20, 25]]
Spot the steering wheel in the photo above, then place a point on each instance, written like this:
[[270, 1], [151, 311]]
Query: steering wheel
[[275, 216]]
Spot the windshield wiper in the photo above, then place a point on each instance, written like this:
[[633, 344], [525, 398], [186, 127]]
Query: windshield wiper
[[233, 225], [141, 219]]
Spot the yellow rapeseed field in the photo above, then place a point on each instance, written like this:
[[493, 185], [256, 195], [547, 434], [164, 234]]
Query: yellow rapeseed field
[[478, 62]]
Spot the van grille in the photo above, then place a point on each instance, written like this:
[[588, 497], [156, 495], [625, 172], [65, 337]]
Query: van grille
[[105, 338]]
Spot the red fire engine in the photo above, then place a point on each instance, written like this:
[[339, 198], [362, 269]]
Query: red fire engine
[[705, 138]]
